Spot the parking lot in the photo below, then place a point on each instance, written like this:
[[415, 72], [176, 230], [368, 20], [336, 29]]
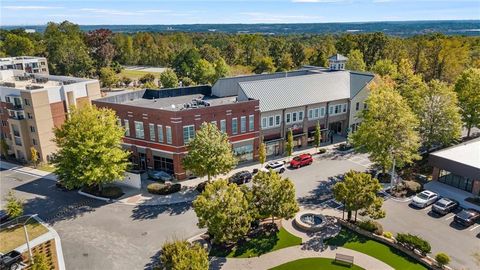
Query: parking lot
[[460, 243]]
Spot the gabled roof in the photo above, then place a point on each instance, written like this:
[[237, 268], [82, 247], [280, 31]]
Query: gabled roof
[[280, 93], [337, 57]]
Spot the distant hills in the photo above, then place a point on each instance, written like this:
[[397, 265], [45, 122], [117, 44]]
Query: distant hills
[[400, 28]]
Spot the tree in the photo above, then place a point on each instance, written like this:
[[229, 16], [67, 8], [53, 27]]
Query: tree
[[221, 69], [388, 130], [66, 50], [285, 63], [34, 154], [209, 153], [150, 85], [468, 92], [358, 191], [262, 153], [149, 77], [264, 64], [440, 120], [185, 61], [15, 45], [108, 77], [90, 152], [4, 147], [355, 61], [442, 259], [289, 144], [14, 207], [182, 255], [274, 196], [186, 81], [203, 72], [40, 262], [168, 79], [298, 54], [409, 85], [317, 135], [384, 67], [223, 209], [99, 42], [210, 53]]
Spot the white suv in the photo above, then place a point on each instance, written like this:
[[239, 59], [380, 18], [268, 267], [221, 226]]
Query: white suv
[[275, 166], [424, 198]]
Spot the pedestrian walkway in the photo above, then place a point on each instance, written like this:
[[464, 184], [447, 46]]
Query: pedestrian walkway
[[27, 170]]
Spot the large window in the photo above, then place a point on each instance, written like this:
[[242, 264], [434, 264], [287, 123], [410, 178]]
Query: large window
[[151, 129], [168, 130], [160, 133], [270, 121], [294, 117], [289, 119], [127, 127], [163, 164], [188, 133], [244, 153], [300, 116], [457, 181], [139, 133], [277, 120], [234, 126], [337, 109], [243, 124], [251, 122], [223, 125], [310, 114], [322, 111]]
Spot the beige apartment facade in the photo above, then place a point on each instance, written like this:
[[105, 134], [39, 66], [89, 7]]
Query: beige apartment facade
[[31, 109]]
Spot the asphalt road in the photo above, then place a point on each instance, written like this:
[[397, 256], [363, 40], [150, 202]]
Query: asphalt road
[[97, 235]]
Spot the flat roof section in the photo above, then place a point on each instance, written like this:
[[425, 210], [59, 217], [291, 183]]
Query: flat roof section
[[181, 102], [462, 159]]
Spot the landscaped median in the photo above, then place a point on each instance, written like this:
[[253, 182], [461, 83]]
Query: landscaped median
[[315, 264], [13, 236]]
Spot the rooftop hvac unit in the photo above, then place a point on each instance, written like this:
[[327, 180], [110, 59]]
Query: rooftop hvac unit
[[33, 87]]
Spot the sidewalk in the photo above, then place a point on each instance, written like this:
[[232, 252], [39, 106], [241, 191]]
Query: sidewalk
[[27, 170]]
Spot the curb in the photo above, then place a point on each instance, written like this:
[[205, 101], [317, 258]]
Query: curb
[[58, 243], [95, 197]]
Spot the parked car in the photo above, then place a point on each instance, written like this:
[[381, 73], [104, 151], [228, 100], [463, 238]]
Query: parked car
[[467, 217], [4, 217], [275, 166], [444, 206], [241, 177], [159, 175], [424, 199], [11, 260], [301, 160]]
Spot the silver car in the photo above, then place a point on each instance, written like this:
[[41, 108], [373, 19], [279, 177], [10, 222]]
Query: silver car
[[275, 166], [424, 199]]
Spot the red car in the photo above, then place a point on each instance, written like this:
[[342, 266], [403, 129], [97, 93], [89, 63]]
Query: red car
[[302, 160]]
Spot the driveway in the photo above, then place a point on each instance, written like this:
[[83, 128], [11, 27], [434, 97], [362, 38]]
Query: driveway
[[97, 235]]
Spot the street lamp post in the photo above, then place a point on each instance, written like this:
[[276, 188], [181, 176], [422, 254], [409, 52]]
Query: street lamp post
[[27, 238]]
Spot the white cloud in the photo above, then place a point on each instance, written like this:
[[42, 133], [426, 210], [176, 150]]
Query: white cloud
[[30, 7], [112, 11], [260, 17], [155, 11], [316, 1]]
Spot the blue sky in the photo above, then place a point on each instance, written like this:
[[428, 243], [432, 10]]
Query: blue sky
[[19, 12]]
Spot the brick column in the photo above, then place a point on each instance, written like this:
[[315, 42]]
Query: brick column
[[149, 156], [476, 187], [178, 170], [435, 173]]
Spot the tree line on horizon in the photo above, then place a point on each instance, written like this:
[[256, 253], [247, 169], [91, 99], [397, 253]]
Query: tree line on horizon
[[205, 57]]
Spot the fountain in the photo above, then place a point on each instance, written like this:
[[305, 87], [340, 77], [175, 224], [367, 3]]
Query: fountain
[[310, 222]]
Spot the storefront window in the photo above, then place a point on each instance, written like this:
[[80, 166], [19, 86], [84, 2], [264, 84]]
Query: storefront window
[[456, 181], [244, 153]]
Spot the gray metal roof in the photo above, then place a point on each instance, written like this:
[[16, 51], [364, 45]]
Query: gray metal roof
[[462, 159], [337, 57], [280, 93]]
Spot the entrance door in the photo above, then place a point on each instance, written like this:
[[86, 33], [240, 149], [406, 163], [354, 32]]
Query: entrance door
[[336, 127], [143, 162]]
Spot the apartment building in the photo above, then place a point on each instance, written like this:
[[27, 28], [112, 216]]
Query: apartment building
[[32, 104], [27, 64], [159, 124], [300, 99]]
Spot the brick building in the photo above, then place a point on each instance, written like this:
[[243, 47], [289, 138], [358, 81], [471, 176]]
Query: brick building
[[159, 123], [31, 105]]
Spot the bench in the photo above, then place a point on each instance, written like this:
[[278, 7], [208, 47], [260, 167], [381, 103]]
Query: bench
[[344, 258]]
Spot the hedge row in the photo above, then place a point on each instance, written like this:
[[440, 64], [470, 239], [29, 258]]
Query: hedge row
[[163, 189], [414, 242]]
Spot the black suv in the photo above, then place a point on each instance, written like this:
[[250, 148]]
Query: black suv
[[444, 206], [467, 217], [240, 177], [11, 260]]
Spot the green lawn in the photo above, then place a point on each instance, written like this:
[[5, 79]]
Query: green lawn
[[136, 74], [46, 167], [259, 245], [15, 237], [315, 264], [388, 255]]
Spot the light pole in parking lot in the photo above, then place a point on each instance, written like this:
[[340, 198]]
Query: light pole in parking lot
[[27, 239]]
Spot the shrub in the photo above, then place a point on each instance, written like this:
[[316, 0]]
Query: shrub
[[110, 192], [163, 189], [371, 226], [14, 206], [388, 235], [414, 242], [41, 262], [412, 186], [322, 151], [442, 259], [183, 255], [344, 147]]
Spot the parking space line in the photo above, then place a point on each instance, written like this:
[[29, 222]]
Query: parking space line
[[450, 217], [474, 227]]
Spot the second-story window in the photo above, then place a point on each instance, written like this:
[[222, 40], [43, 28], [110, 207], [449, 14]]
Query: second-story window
[[251, 122], [357, 106], [264, 122], [27, 102], [234, 125], [294, 117], [223, 126], [139, 132], [300, 116], [168, 130], [289, 119], [243, 124], [188, 133], [271, 120], [160, 133], [32, 129], [151, 129], [127, 127], [277, 120]]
